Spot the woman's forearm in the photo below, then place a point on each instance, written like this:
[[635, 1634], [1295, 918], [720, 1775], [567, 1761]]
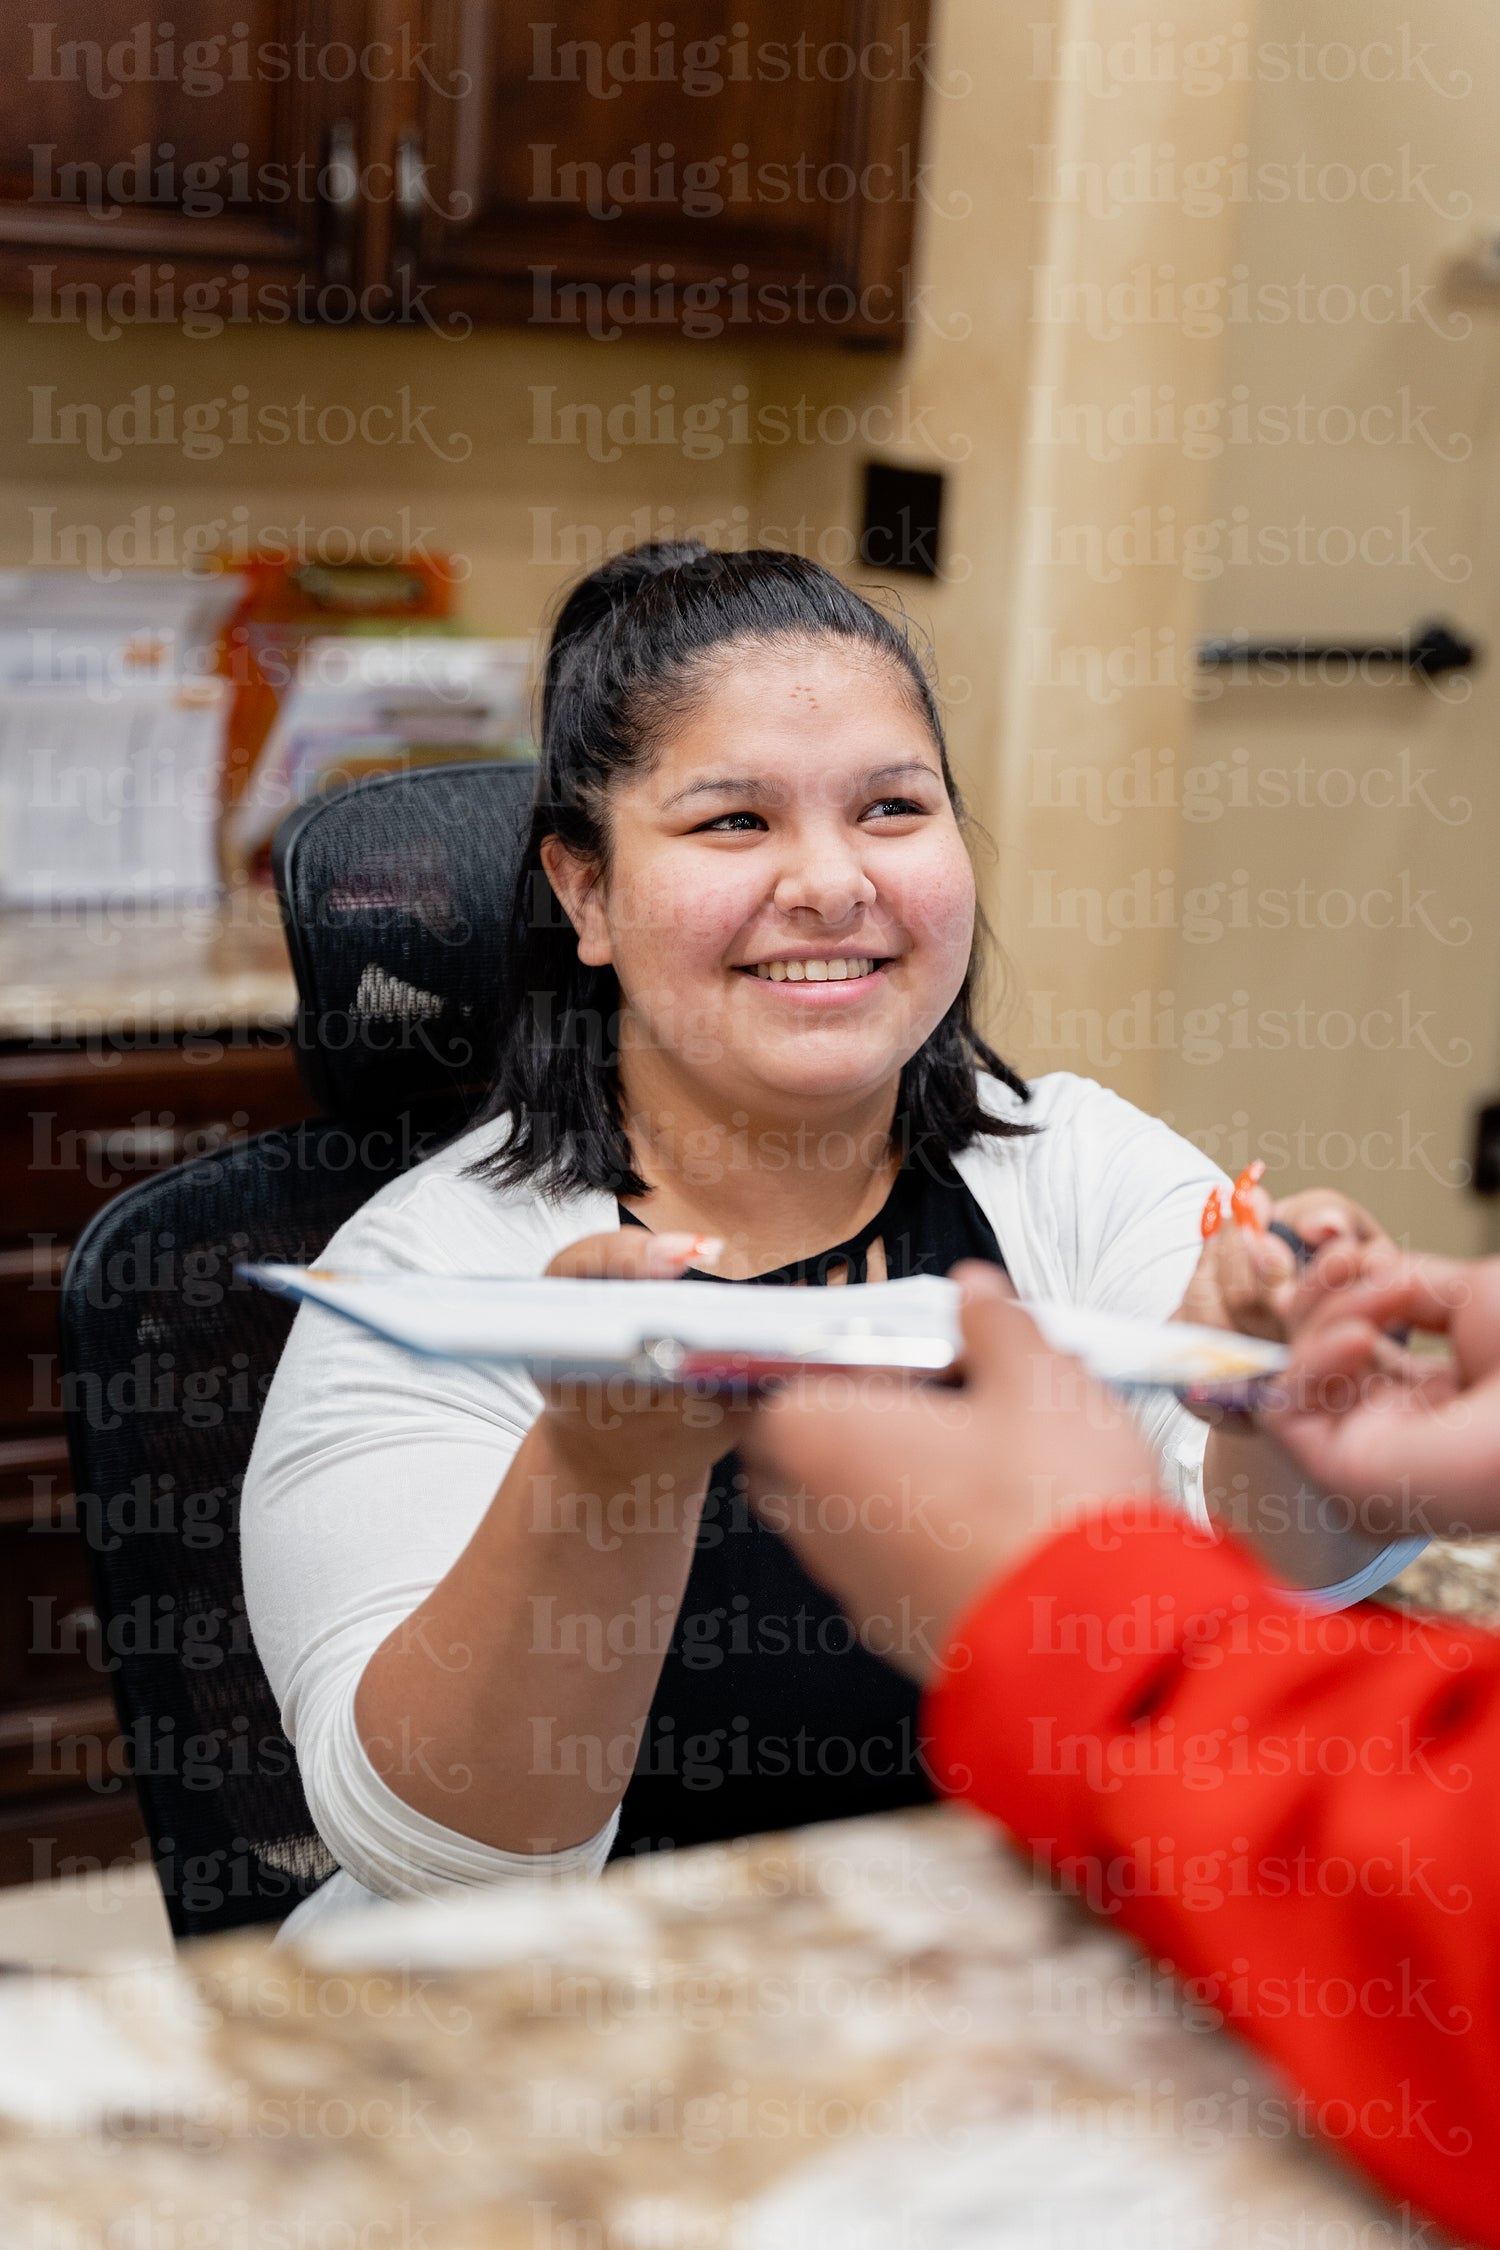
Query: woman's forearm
[[1303, 1537], [510, 1704], [1302, 1824]]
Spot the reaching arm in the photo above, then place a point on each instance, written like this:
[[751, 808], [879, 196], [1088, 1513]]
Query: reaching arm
[[1296, 1809], [510, 1704], [533, 1661], [464, 1670]]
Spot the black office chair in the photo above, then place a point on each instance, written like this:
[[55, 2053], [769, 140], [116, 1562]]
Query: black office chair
[[397, 896]]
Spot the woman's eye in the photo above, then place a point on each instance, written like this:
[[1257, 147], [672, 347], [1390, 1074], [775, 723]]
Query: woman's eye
[[731, 824], [893, 808]]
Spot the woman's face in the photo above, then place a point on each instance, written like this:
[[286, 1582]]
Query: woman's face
[[789, 907]]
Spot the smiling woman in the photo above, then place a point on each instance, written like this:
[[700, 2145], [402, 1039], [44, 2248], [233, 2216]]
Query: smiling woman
[[742, 764], [513, 1632]]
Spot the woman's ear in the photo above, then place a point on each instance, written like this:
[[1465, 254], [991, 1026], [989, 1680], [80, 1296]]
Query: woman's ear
[[577, 884]]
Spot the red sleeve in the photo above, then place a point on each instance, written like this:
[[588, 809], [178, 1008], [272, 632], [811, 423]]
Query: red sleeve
[[1300, 1810]]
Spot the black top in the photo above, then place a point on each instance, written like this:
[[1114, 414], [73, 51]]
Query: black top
[[768, 1713]]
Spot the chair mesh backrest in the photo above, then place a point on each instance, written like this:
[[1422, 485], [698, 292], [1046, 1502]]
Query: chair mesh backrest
[[397, 894]]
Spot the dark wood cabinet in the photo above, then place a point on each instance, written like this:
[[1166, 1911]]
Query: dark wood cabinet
[[740, 170], [198, 145], [735, 171], [76, 1126]]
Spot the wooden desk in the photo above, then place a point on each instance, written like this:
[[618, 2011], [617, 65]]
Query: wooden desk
[[880, 2033], [127, 1042]]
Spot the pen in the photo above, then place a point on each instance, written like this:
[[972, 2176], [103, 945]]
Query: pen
[[1302, 1250]]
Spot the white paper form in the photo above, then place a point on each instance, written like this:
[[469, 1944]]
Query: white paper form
[[681, 1330]]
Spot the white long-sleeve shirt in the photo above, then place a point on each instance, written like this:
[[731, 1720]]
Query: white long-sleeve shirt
[[373, 1468]]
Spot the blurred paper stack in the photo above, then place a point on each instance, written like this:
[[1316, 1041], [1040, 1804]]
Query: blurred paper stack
[[381, 704], [155, 727], [112, 721]]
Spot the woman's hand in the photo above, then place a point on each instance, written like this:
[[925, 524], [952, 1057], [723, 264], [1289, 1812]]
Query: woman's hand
[[1416, 1440], [905, 1499], [1246, 1278], [618, 1426]]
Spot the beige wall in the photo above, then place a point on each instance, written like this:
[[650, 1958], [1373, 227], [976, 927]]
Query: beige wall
[[1337, 931], [466, 461], [1096, 646]]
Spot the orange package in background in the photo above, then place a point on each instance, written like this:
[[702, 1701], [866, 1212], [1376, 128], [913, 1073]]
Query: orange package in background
[[290, 603]]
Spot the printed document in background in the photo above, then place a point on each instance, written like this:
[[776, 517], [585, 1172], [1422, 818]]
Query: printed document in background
[[110, 799], [112, 726], [371, 704], [64, 629]]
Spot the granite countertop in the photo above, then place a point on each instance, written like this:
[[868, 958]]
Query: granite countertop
[[97, 971], [1456, 1581], [880, 2033]]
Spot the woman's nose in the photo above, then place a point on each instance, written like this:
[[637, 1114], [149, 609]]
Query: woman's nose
[[829, 882]]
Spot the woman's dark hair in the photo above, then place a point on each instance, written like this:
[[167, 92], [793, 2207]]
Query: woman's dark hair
[[630, 652]]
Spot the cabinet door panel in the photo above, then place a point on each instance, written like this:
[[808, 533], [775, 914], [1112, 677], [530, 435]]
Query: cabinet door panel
[[30, 1282], [127, 136], [50, 1649], [74, 1131], [735, 170], [75, 1834]]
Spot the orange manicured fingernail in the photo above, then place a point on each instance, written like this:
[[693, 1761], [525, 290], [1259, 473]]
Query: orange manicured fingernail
[[1241, 1202], [1213, 1215], [707, 1249]]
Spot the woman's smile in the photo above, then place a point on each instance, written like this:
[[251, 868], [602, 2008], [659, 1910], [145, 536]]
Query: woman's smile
[[793, 835], [818, 980]]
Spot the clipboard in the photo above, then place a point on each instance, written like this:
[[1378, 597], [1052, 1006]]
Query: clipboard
[[733, 1335]]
